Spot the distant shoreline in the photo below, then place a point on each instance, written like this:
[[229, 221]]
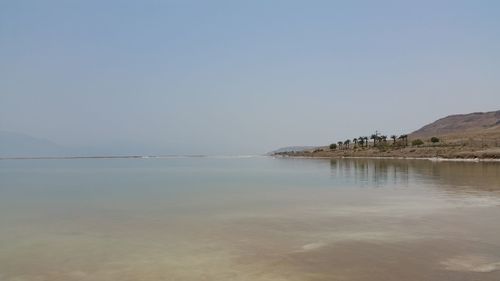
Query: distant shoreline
[[98, 157], [133, 157], [434, 159], [296, 155]]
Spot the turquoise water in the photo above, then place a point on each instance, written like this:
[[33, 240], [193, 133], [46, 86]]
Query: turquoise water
[[255, 218]]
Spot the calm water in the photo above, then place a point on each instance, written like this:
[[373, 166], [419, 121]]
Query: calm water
[[248, 219]]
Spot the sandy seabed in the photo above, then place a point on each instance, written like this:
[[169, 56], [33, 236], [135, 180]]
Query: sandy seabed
[[430, 221]]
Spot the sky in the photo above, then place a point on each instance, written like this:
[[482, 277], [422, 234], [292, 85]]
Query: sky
[[241, 77]]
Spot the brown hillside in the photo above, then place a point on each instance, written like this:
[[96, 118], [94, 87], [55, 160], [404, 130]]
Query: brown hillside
[[474, 127]]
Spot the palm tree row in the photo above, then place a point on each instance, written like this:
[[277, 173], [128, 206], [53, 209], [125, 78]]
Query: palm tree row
[[363, 141]]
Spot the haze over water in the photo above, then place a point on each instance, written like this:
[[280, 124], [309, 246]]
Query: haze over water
[[255, 218]]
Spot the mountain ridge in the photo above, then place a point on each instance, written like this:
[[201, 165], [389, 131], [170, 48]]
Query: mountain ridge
[[460, 126]]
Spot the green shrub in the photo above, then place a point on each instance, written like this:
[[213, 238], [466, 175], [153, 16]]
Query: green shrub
[[434, 139], [333, 146], [417, 142]]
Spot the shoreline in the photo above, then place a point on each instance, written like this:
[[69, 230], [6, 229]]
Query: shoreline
[[428, 152], [299, 155], [432, 159]]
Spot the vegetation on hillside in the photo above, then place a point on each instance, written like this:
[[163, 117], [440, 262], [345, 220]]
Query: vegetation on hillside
[[475, 135], [375, 140]]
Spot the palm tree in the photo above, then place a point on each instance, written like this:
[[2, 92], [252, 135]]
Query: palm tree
[[374, 137], [340, 144], [393, 137], [404, 138], [383, 138], [355, 141], [361, 141], [347, 142]]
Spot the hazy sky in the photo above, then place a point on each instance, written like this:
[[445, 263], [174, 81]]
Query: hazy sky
[[241, 76]]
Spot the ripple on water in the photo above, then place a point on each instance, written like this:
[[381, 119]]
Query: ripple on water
[[472, 263]]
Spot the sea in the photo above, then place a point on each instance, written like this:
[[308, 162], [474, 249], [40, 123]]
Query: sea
[[248, 218]]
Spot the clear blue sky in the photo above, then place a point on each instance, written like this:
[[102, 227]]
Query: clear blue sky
[[238, 77]]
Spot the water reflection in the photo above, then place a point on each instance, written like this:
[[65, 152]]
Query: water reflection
[[483, 176], [371, 171]]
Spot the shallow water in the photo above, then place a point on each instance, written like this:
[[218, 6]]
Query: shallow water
[[248, 219]]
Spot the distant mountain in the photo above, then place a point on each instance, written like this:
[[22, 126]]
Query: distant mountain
[[14, 144], [292, 148], [477, 125], [21, 145]]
